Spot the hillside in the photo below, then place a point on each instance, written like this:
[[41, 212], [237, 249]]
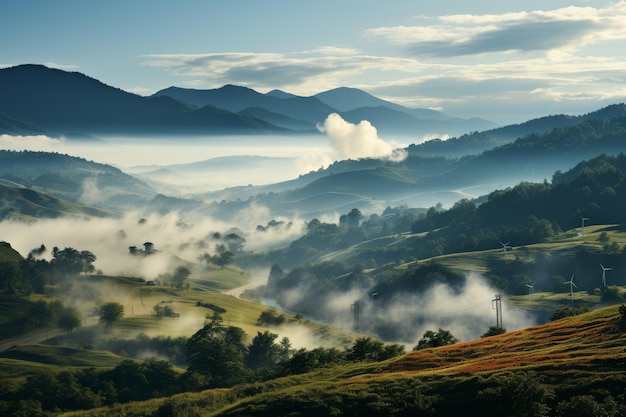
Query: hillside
[[493, 376], [424, 181], [354, 105], [26, 204], [70, 102], [477, 142], [8, 254], [237, 99], [32, 178]]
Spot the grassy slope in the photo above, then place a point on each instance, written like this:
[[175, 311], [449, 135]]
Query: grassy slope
[[23, 360], [27, 204], [8, 254], [574, 355]]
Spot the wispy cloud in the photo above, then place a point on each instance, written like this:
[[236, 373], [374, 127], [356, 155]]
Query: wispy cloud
[[299, 72], [566, 60], [460, 35]]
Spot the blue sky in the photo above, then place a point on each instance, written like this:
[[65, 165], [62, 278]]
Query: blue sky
[[503, 61]]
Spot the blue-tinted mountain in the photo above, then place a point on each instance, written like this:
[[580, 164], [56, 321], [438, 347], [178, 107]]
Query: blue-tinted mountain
[[423, 181], [353, 104], [477, 142], [21, 203], [394, 122], [73, 179], [236, 99], [346, 99], [278, 119], [280, 94], [59, 102], [12, 126]]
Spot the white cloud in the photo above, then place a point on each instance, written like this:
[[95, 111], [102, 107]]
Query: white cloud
[[457, 62], [37, 143], [357, 140], [467, 34]]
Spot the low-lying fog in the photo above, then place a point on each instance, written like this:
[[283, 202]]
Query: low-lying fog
[[207, 163], [212, 163]]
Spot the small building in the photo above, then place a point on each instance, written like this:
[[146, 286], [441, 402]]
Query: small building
[[132, 250], [148, 247]]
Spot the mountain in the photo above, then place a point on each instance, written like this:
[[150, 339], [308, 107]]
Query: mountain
[[353, 104], [280, 94], [396, 122], [278, 119], [346, 99], [25, 204], [15, 127], [62, 102], [75, 180], [236, 99], [480, 141], [423, 181], [38, 100]]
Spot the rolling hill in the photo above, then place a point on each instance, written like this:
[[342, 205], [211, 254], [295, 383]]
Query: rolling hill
[[27, 176], [63, 102], [545, 367], [25, 204], [352, 104]]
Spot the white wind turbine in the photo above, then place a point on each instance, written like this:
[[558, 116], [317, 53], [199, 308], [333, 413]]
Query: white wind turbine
[[571, 287], [582, 225], [505, 246], [531, 290], [604, 269]]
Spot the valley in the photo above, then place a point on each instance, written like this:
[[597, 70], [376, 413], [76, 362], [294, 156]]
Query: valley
[[261, 261]]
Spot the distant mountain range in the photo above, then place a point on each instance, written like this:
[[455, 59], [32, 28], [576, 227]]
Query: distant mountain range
[[40, 100], [421, 180]]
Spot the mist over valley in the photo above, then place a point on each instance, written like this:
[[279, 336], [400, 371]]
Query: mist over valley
[[246, 237]]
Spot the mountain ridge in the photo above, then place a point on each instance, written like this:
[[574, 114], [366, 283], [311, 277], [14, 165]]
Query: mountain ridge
[[60, 102]]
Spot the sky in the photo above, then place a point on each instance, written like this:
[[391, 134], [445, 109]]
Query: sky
[[507, 62]]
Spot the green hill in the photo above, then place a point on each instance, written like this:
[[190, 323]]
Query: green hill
[[8, 254], [23, 203], [32, 178], [545, 367]]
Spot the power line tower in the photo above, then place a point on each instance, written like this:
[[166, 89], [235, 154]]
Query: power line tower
[[498, 307], [355, 312]]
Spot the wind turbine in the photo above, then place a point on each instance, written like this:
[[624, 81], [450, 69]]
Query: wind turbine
[[604, 274], [582, 225], [571, 287], [505, 246]]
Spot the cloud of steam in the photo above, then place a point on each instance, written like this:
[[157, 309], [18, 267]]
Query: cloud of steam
[[357, 141]]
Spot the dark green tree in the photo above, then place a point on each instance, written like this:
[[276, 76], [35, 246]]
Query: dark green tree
[[69, 319], [109, 313], [158, 311], [520, 394], [368, 349], [432, 339], [225, 258], [180, 276], [494, 331], [263, 352]]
